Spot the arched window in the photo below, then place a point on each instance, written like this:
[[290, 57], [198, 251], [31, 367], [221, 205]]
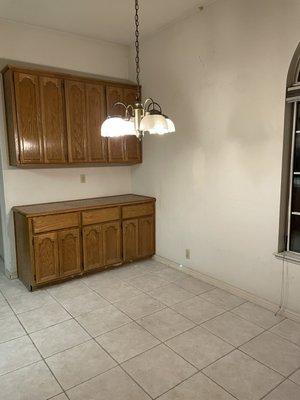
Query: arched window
[[289, 235]]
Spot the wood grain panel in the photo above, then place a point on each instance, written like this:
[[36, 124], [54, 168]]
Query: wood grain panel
[[48, 223], [146, 236], [98, 216], [46, 257], [96, 114], [112, 243], [93, 257], [138, 210], [53, 120], [28, 118], [130, 239], [69, 252], [76, 121]]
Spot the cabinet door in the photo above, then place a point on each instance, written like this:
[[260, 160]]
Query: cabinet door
[[53, 120], [111, 243], [132, 143], [130, 240], [69, 252], [146, 236], [76, 121], [92, 247], [28, 118], [46, 257], [116, 146], [95, 110]]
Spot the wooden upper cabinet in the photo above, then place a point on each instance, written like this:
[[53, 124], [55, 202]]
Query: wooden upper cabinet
[[113, 95], [96, 114], [76, 121], [53, 120], [28, 113]]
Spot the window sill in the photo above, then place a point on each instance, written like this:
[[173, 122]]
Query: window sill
[[289, 256]]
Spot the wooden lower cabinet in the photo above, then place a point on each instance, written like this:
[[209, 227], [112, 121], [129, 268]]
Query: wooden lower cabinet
[[92, 241], [56, 241], [138, 238], [69, 252], [46, 257]]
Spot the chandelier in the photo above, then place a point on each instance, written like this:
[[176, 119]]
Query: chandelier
[[139, 118]]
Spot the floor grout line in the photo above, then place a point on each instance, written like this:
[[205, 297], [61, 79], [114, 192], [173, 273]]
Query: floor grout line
[[160, 341]]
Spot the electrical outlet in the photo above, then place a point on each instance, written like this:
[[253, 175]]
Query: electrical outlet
[[188, 254], [82, 178]]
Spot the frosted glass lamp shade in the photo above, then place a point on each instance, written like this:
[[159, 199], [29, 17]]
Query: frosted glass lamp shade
[[129, 128], [113, 127], [171, 126], [154, 124]]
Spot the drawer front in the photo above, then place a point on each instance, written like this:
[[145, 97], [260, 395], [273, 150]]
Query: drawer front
[[138, 210], [102, 215], [48, 223]]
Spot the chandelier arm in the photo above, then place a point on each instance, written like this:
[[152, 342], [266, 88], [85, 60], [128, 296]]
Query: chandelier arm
[[149, 100]]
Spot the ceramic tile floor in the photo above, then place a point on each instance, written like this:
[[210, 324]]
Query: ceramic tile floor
[[143, 331]]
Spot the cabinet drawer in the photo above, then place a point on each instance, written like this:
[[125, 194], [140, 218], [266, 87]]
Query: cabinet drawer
[[52, 222], [102, 215], [138, 210]]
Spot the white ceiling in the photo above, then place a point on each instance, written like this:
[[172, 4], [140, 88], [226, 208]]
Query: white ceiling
[[110, 20]]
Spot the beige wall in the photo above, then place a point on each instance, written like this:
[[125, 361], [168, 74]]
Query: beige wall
[[33, 45], [221, 74]]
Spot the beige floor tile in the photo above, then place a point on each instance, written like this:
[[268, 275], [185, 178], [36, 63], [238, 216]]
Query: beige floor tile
[[275, 352], [84, 303], [43, 317], [100, 280], [30, 300], [232, 328], [69, 290], [171, 294], [258, 315], [171, 274], [60, 397], [148, 282], [194, 285], [158, 370], [198, 387], [296, 377], [118, 291], [199, 347], [243, 377], [10, 328], [17, 354], [12, 288], [289, 330], [5, 309], [128, 272], [286, 391], [222, 298], [198, 310], [59, 337], [139, 306], [152, 266], [112, 385], [103, 320], [34, 382], [79, 364], [165, 324], [127, 341]]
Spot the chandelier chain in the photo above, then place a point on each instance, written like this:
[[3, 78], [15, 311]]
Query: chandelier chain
[[137, 49]]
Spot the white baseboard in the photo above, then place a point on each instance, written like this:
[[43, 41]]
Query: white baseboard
[[229, 288]]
